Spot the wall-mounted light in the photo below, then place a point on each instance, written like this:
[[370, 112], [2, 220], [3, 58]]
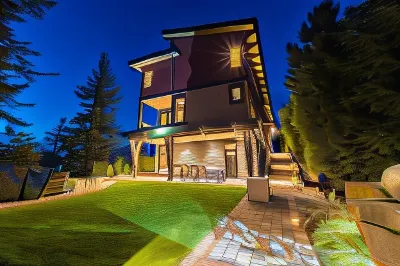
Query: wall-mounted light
[[148, 77], [236, 59]]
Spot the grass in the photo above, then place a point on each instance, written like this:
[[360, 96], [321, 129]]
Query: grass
[[137, 223]]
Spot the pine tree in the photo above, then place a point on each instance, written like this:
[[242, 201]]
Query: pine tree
[[91, 131], [21, 148], [14, 65], [53, 138]]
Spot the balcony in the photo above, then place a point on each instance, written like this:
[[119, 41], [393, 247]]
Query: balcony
[[162, 111]]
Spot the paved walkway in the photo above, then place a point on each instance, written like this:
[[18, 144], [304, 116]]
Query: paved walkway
[[228, 181], [261, 233]]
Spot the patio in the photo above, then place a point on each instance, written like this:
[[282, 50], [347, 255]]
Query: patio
[[262, 233]]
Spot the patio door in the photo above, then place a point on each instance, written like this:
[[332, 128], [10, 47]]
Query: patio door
[[231, 163], [163, 157]]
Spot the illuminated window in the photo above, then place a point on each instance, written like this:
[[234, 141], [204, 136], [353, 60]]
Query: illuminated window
[[148, 76], [236, 60], [165, 117], [236, 94], [180, 110]]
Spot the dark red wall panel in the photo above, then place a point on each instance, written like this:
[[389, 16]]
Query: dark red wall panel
[[161, 81]]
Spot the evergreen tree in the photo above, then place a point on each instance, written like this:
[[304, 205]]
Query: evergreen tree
[[314, 87], [345, 82], [16, 71], [89, 138], [21, 148], [53, 138]]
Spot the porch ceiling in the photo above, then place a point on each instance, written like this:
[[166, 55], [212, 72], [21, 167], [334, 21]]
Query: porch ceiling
[[159, 103]]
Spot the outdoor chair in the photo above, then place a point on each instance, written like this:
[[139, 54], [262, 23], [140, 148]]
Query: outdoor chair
[[194, 170], [221, 176], [185, 172], [203, 172], [12, 178], [35, 183], [57, 184], [177, 170]]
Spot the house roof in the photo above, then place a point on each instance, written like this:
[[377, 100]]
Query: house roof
[[213, 28], [254, 56], [158, 56]]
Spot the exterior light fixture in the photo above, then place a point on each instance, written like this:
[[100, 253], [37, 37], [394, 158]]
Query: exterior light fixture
[[236, 59], [160, 131], [148, 77]]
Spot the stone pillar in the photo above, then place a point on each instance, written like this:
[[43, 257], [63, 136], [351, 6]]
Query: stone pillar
[[254, 154], [248, 151], [241, 158]]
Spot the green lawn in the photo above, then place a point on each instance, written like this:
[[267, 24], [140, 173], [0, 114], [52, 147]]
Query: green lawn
[[137, 223]]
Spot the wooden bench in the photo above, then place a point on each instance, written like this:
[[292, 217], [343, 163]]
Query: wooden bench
[[56, 184]]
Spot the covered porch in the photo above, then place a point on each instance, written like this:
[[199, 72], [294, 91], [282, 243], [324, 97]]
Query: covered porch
[[204, 153]]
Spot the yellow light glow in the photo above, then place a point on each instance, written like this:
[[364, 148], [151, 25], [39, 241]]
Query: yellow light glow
[[148, 77], [252, 38], [254, 49], [295, 221], [257, 59], [260, 75], [236, 60]]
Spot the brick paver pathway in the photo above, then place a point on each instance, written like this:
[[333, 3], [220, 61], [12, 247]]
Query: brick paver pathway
[[256, 234]]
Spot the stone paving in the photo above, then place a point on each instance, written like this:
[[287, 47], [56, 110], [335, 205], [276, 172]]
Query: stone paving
[[256, 234]]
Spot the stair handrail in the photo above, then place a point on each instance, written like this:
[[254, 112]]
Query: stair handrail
[[302, 173]]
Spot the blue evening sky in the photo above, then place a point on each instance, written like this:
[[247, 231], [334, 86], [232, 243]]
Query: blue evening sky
[[75, 32]]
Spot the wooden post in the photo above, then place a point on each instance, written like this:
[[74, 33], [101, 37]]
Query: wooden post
[[169, 146], [133, 152], [138, 149], [157, 159]]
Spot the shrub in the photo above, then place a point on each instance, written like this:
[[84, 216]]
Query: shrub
[[127, 169], [100, 168], [119, 165], [110, 171], [146, 164]]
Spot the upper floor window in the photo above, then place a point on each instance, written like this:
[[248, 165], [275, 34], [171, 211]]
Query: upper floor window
[[236, 60], [165, 117], [179, 110], [148, 77], [236, 93]]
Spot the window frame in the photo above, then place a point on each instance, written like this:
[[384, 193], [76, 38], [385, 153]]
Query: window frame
[[174, 98], [167, 111]]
